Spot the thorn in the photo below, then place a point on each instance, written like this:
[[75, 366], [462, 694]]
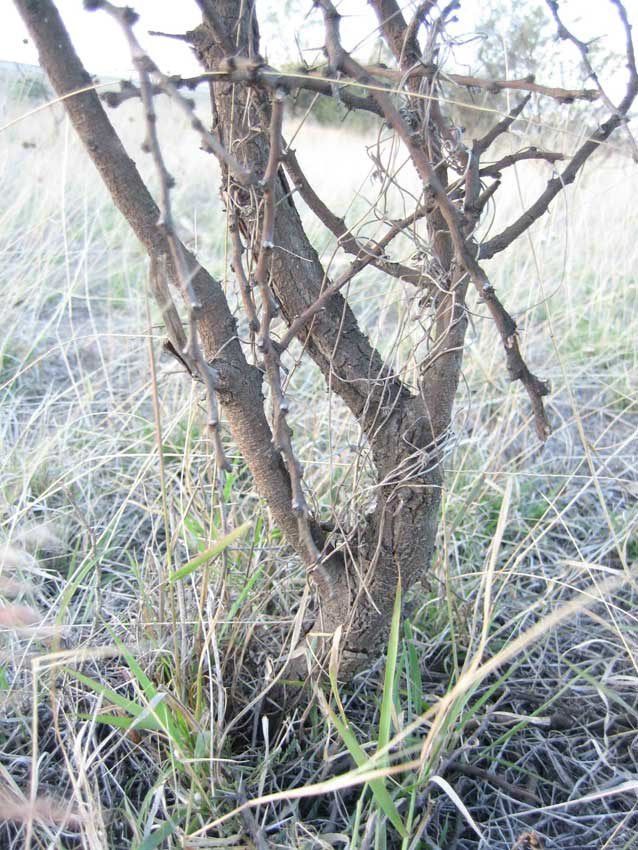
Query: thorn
[[130, 16]]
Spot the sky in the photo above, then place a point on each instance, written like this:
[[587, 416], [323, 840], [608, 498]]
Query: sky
[[99, 40], [102, 48]]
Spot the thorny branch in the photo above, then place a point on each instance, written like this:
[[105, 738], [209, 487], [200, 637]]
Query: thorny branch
[[245, 289], [240, 382], [177, 344], [170, 86], [191, 350], [282, 433], [502, 126], [241, 69], [527, 84], [568, 175], [403, 39], [464, 249], [375, 253], [265, 344], [583, 49], [495, 169]]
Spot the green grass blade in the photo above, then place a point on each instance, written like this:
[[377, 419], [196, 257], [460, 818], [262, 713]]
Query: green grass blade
[[216, 549], [234, 608], [120, 722], [385, 720], [145, 683], [413, 673], [125, 704], [158, 837], [600, 686], [164, 717], [377, 786]]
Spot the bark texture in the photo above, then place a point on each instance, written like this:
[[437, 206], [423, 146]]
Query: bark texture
[[406, 429], [240, 388], [402, 428]]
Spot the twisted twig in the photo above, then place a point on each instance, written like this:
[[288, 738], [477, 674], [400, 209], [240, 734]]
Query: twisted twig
[[465, 253], [191, 349]]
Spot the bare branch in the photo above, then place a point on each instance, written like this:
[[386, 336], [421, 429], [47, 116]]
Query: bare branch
[[463, 249], [299, 323], [554, 186], [347, 240], [495, 169], [126, 17], [314, 82], [242, 278], [472, 187], [209, 143], [176, 345], [176, 36], [241, 69], [502, 126], [485, 196], [516, 366], [598, 137], [583, 49], [526, 84], [129, 91], [281, 430], [240, 383], [418, 18], [192, 349]]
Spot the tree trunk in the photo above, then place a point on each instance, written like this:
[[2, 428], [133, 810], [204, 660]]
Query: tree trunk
[[240, 383], [406, 430], [403, 429]]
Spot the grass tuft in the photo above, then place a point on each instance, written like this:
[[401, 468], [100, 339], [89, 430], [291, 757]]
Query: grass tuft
[[144, 617]]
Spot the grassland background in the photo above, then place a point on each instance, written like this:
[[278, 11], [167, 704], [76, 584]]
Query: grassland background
[[93, 526]]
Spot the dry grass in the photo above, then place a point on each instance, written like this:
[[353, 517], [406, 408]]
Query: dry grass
[[543, 741]]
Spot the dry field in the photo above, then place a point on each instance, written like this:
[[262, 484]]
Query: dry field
[[511, 688]]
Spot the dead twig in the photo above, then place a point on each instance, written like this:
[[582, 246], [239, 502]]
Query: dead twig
[[281, 430], [556, 185], [465, 252], [191, 349]]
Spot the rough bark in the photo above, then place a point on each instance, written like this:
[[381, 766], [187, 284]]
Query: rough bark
[[240, 388], [402, 428], [405, 430]]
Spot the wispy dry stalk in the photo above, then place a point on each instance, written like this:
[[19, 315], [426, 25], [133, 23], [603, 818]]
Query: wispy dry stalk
[[405, 419], [11, 557], [37, 536], [10, 587], [192, 349], [44, 810], [18, 617]]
